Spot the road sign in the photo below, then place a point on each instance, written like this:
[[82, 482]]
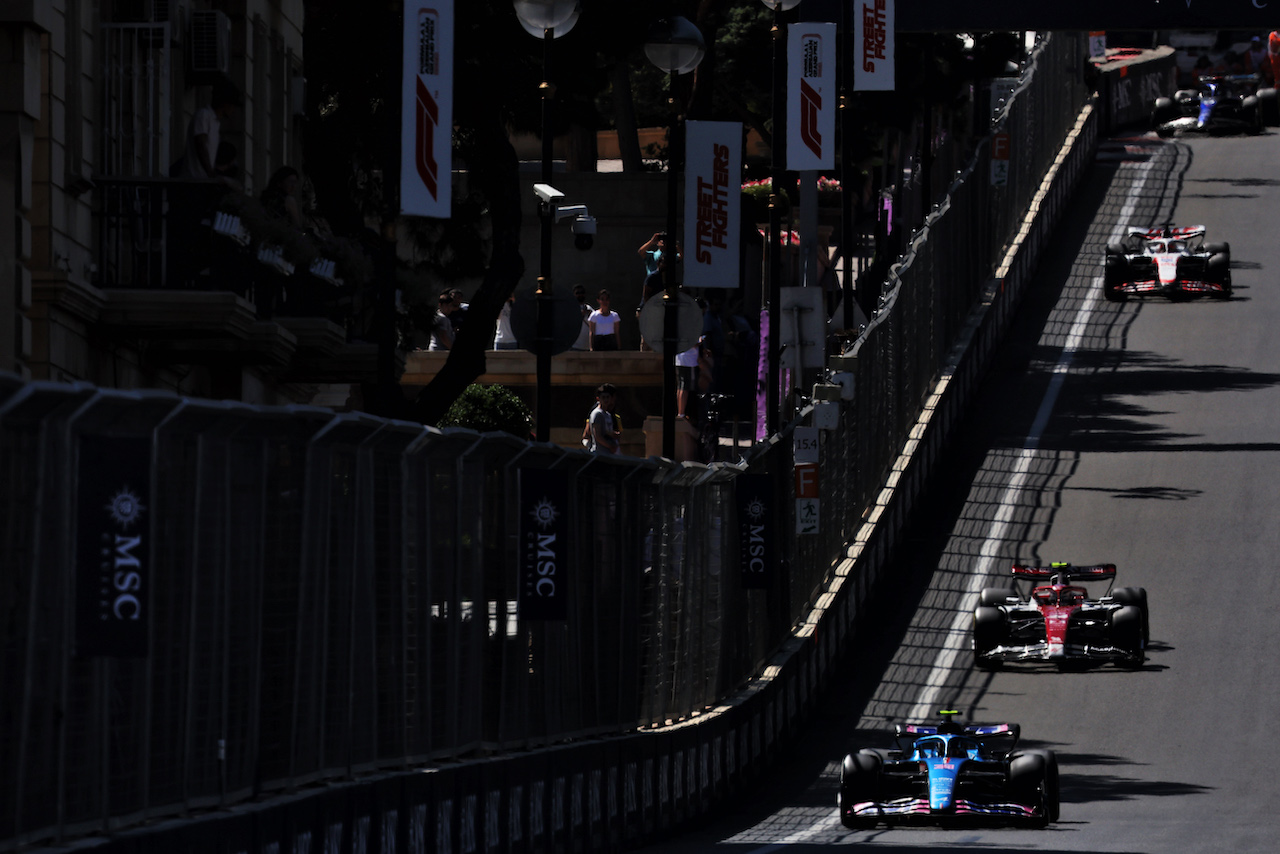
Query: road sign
[[806, 480], [807, 516], [805, 445]]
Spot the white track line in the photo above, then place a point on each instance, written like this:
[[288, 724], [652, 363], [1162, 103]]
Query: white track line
[[957, 638]]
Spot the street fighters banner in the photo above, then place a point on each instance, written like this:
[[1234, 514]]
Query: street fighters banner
[[113, 547], [712, 203], [757, 529], [811, 96], [426, 109], [544, 545], [873, 45]]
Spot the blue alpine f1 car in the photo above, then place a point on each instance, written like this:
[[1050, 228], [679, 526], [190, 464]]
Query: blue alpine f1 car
[[950, 774]]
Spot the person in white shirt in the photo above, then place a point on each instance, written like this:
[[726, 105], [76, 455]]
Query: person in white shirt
[[504, 337], [603, 324]]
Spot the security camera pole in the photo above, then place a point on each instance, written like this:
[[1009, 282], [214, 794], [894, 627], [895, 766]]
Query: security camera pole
[[547, 210]]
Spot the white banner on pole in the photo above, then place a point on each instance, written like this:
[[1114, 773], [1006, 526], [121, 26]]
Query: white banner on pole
[[811, 96], [426, 109], [712, 203], [873, 45]]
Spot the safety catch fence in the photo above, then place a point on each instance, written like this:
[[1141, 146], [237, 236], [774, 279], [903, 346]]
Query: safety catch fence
[[203, 601]]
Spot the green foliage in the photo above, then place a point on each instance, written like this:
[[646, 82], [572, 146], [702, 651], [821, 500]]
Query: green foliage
[[488, 409]]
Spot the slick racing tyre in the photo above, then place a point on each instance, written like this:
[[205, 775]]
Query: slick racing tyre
[[1113, 275], [859, 782], [1164, 111], [1052, 798], [1126, 634], [989, 632], [1218, 269], [1029, 784], [1136, 596], [1268, 107]]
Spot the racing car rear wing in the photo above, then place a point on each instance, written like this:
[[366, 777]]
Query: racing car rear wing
[[1066, 572], [1158, 232]]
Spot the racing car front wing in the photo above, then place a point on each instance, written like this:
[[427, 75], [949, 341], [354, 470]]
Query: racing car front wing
[[1182, 286], [918, 808], [1044, 651]]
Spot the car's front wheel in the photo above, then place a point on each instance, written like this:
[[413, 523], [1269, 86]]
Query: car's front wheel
[[859, 783]]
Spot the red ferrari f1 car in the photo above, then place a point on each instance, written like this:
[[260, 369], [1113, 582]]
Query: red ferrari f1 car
[[1174, 262], [1059, 623]]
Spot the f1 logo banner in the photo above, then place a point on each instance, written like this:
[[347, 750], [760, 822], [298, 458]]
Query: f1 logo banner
[[544, 545], [873, 25], [713, 204], [113, 547], [757, 528], [426, 109], [811, 96]]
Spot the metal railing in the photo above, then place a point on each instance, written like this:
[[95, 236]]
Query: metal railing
[[327, 595]]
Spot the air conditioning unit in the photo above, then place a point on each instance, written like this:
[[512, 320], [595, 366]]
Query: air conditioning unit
[[210, 44]]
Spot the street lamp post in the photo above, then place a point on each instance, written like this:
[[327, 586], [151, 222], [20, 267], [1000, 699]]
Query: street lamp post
[[674, 45], [548, 19], [777, 172]]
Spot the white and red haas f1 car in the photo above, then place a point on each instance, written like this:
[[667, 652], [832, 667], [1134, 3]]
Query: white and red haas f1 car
[[1165, 261], [1059, 623]]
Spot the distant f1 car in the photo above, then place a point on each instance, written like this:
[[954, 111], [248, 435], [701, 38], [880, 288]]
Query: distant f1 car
[[1058, 622], [1173, 262], [1221, 104], [950, 773]]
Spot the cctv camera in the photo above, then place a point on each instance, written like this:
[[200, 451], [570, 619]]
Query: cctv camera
[[547, 193], [584, 231]]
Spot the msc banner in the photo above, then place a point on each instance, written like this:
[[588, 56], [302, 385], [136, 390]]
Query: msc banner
[[757, 528], [712, 206], [811, 96], [426, 109], [873, 45], [544, 543], [113, 547]]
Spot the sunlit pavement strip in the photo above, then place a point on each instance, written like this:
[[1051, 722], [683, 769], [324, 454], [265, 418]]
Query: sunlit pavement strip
[[957, 639]]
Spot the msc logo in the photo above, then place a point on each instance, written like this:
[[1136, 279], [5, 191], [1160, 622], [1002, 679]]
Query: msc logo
[[428, 120]]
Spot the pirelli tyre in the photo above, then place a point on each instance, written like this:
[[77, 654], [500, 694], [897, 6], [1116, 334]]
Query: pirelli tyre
[[1126, 635], [1268, 107], [1029, 783], [1218, 269], [1137, 597], [1164, 111], [990, 630], [1051, 793], [1114, 272], [1251, 111], [859, 782]]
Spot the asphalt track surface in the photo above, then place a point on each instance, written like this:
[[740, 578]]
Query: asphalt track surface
[[1146, 434]]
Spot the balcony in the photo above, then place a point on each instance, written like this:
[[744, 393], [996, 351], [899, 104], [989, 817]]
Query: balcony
[[204, 277]]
